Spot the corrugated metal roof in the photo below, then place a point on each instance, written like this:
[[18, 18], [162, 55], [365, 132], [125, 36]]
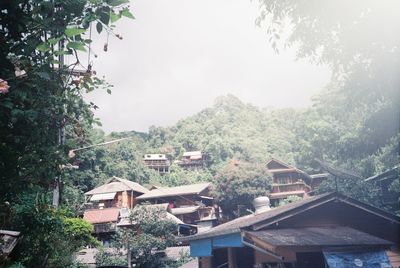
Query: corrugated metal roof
[[193, 153], [101, 215], [116, 184], [184, 210], [317, 236], [175, 191], [106, 196]]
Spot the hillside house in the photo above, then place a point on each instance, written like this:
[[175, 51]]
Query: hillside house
[[322, 231], [108, 202], [192, 160], [158, 162], [290, 181], [190, 203]]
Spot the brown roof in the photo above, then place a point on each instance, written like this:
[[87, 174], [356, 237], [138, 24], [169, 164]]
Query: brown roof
[[101, 215], [175, 191], [317, 236], [285, 168], [257, 221], [116, 184]]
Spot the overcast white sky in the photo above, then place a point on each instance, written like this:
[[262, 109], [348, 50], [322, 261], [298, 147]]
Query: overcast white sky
[[179, 55]]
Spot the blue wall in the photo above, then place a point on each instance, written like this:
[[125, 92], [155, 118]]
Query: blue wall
[[203, 247]]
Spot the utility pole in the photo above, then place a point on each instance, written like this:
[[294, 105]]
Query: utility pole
[[61, 131]]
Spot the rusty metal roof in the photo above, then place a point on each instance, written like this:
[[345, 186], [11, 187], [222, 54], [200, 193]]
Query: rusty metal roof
[[104, 215]]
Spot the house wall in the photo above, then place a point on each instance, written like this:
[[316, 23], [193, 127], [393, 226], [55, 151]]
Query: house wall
[[259, 257], [205, 262], [124, 199]]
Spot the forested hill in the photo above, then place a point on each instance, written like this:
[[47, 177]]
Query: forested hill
[[354, 137], [231, 129]]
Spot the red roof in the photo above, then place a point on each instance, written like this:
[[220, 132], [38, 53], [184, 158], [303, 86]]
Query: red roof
[[101, 215]]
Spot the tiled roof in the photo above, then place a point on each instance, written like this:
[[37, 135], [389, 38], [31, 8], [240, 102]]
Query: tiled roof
[[101, 215], [116, 184], [175, 191]]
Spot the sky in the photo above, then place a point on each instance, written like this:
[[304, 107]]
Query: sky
[[177, 56]]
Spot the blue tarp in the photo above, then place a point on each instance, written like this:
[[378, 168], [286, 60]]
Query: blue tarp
[[364, 259]]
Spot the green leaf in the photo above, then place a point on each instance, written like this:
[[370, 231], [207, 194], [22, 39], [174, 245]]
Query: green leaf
[[62, 52], [115, 3], [105, 15], [99, 27], [109, 91], [115, 17], [73, 31], [53, 41], [76, 45], [43, 47], [125, 12]]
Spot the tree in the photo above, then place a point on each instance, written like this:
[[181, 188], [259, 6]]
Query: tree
[[49, 236], [41, 107], [152, 233], [355, 120], [237, 184]]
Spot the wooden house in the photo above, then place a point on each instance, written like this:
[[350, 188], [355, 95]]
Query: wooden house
[[192, 160], [108, 202], [158, 162], [290, 181], [8, 242], [190, 203], [329, 230]]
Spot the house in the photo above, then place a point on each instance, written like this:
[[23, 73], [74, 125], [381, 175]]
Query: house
[[329, 230], [158, 162], [192, 160], [190, 203], [290, 181], [108, 202], [8, 242]]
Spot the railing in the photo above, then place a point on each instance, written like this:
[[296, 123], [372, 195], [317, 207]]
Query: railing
[[103, 228]]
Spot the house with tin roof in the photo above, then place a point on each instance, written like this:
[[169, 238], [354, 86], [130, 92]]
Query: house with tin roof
[[109, 203], [192, 204], [327, 230]]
